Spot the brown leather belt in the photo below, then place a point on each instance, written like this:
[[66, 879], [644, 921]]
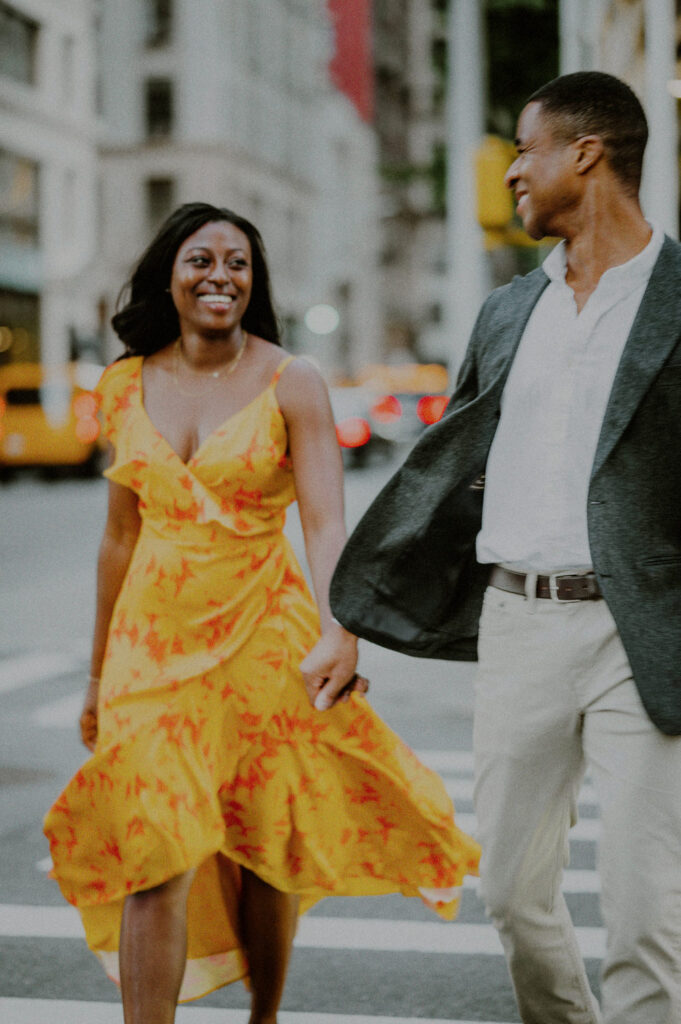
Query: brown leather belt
[[561, 587]]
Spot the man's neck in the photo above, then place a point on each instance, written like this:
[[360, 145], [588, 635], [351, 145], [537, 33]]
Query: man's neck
[[602, 239]]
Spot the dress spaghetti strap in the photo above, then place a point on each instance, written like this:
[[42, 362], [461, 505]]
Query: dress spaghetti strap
[[280, 369]]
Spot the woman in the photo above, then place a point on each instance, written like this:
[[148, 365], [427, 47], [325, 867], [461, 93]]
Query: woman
[[219, 802]]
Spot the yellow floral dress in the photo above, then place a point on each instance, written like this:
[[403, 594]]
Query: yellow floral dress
[[208, 751]]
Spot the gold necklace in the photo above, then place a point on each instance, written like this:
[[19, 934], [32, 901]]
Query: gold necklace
[[222, 371]]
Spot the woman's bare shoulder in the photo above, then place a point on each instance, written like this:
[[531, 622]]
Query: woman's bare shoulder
[[298, 371], [302, 390]]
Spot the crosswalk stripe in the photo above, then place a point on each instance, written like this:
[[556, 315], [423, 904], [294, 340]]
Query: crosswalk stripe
[[64, 1011], [447, 761], [419, 937], [27, 669], [461, 788], [460, 762], [24, 921], [61, 713], [574, 881], [586, 830]]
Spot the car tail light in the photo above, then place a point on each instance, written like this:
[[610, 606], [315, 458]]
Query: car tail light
[[85, 405], [431, 408], [387, 409], [87, 427], [353, 432]]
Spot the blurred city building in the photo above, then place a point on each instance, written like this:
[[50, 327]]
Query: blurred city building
[[48, 168], [112, 114], [324, 121], [637, 40], [608, 34], [410, 64], [235, 105], [422, 72]]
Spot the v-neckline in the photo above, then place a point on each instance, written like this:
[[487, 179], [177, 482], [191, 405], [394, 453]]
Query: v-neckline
[[192, 458]]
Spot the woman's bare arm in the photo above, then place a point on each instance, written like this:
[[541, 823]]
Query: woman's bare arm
[[115, 551], [329, 668]]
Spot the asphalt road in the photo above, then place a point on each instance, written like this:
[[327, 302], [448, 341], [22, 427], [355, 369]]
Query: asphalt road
[[360, 961]]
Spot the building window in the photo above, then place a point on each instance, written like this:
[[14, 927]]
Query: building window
[[18, 39], [253, 38], [70, 205], [19, 213], [160, 200], [19, 326], [159, 22], [68, 68], [159, 108]]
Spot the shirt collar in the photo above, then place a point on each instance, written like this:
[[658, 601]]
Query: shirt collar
[[625, 276]]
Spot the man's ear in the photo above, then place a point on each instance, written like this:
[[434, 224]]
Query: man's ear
[[589, 149]]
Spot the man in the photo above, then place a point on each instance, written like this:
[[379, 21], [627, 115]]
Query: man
[[545, 511]]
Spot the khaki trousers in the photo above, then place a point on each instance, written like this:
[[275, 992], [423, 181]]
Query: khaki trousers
[[553, 695]]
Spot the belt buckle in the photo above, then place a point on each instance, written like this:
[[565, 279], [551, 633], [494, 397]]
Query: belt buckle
[[554, 577]]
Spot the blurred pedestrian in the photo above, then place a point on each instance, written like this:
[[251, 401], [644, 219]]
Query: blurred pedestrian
[[544, 510], [219, 802]]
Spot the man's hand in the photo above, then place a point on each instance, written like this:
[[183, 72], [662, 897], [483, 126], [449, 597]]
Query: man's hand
[[329, 669]]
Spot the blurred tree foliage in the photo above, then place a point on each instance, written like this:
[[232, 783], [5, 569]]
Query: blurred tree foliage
[[522, 54], [522, 49]]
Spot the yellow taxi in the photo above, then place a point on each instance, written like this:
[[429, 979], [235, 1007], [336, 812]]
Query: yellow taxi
[[48, 416]]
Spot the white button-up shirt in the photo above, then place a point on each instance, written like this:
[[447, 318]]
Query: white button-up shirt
[[552, 408]]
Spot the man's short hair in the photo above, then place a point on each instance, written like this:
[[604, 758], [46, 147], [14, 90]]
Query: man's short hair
[[593, 103]]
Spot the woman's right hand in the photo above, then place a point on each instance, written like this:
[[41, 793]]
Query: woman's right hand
[[88, 716]]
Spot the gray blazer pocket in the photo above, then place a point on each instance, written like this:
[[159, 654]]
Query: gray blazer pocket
[[661, 560]]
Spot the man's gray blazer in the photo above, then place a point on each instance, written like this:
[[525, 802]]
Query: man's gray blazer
[[408, 578]]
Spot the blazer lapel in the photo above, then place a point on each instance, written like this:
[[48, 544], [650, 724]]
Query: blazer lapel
[[655, 332]]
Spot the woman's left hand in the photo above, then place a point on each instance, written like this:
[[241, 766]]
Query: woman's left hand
[[329, 669]]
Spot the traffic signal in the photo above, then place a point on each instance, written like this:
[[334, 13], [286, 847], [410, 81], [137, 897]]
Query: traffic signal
[[495, 208], [493, 158]]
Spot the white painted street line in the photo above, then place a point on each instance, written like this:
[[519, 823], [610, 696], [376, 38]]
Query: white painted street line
[[27, 921], [576, 881], [27, 669], [23, 921], [447, 761], [460, 762], [419, 937], [461, 788], [586, 830], [573, 881], [61, 713], [62, 1011]]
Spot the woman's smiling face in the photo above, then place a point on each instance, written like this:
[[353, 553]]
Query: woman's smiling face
[[212, 278]]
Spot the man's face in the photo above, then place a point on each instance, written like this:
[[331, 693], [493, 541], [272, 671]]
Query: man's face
[[542, 175]]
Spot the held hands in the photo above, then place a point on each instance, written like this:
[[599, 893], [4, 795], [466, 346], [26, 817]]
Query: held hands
[[88, 716], [329, 669]]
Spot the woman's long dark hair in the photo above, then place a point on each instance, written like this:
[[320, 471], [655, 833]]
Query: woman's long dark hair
[[148, 320]]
